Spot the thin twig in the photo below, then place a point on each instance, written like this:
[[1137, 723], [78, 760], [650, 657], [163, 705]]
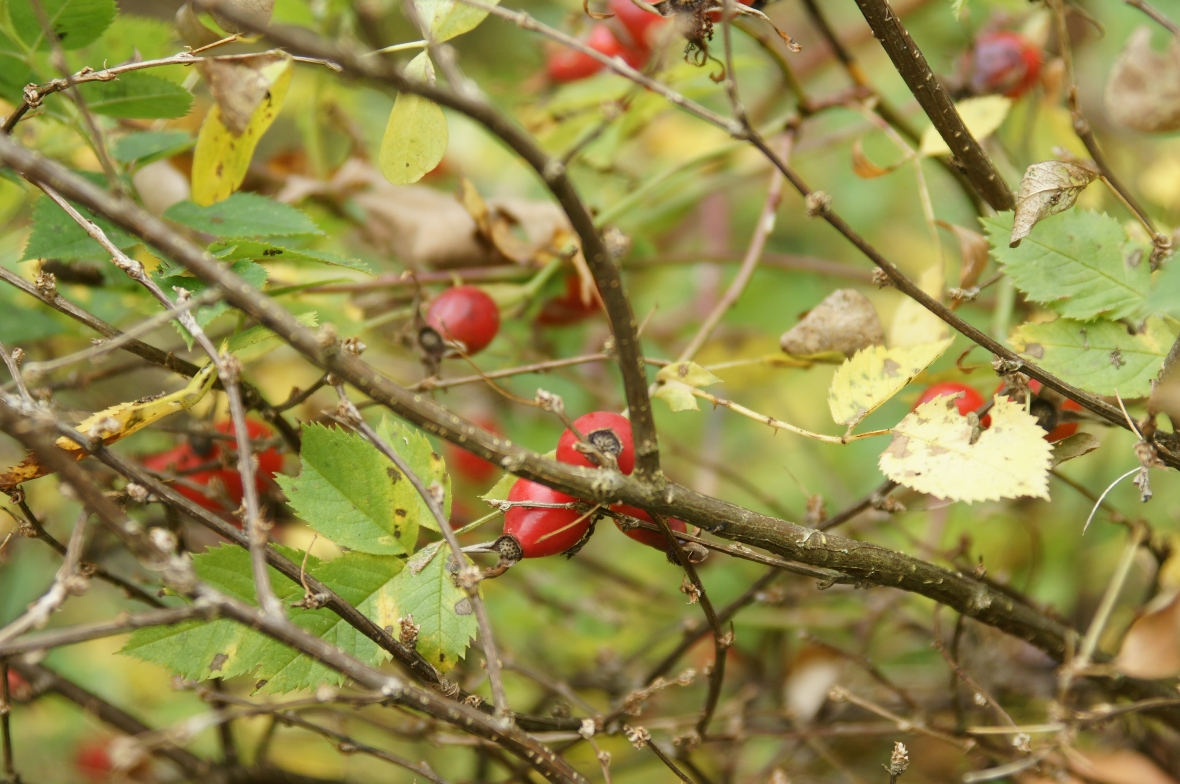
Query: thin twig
[[1155, 14], [121, 624]]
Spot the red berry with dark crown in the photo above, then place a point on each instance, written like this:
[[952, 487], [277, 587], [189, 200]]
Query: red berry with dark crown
[[609, 432], [654, 539], [1004, 63], [542, 532], [467, 315]]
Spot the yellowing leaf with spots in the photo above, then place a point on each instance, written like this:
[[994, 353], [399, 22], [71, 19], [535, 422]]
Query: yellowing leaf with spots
[[874, 375], [116, 423], [675, 383], [250, 92], [933, 452], [416, 135], [913, 324]]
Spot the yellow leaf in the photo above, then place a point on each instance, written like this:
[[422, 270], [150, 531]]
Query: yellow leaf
[[932, 452], [416, 135], [874, 375], [913, 325], [116, 423], [689, 373], [222, 154], [677, 395], [982, 116]]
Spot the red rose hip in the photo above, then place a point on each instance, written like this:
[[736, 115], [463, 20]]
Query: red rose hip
[[469, 466], [609, 432], [1004, 63], [654, 539], [541, 532], [467, 315]]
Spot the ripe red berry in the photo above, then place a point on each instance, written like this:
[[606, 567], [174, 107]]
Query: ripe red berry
[[469, 466], [569, 308], [1057, 431], [637, 22], [93, 761], [570, 65], [467, 315], [538, 531], [19, 689], [1004, 63], [201, 451], [654, 539], [610, 433], [970, 399]]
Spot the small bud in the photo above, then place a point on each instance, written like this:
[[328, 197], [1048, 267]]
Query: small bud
[[638, 736], [353, 346], [408, 631], [900, 759], [818, 203], [690, 590], [46, 285], [137, 492]]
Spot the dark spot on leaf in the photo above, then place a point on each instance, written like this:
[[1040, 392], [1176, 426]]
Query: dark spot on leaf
[[218, 662], [217, 219], [1116, 358], [260, 684], [463, 606], [442, 657], [435, 456], [899, 447], [400, 512], [890, 368], [394, 474]]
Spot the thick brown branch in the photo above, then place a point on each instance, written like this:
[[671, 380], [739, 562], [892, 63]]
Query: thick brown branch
[[934, 100]]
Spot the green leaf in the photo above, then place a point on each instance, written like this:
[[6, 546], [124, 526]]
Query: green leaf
[[421, 458], [199, 650], [56, 236], [1075, 263], [243, 215], [170, 278], [139, 96], [445, 19], [1099, 357], [416, 135], [147, 146], [250, 344], [14, 73], [426, 590], [352, 494], [270, 251], [75, 22], [1165, 297]]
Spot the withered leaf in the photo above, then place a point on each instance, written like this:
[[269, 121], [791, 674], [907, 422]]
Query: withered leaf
[[1048, 188], [192, 30], [1143, 91], [1151, 647], [844, 322], [864, 168], [255, 13], [973, 252], [238, 85]]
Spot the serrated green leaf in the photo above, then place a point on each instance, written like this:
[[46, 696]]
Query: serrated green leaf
[[1075, 263], [352, 494], [75, 22], [56, 236], [1100, 356], [445, 19], [270, 251], [171, 278], [250, 344], [147, 146], [14, 72], [427, 464], [198, 650], [677, 395], [137, 95], [416, 135], [243, 215], [426, 590]]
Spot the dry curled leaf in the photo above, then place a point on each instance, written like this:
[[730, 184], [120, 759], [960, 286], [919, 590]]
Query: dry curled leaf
[[845, 322], [864, 168], [239, 85], [192, 30], [254, 13], [874, 375], [1151, 647], [1075, 446], [938, 451], [1143, 91], [973, 253], [1048, 188]]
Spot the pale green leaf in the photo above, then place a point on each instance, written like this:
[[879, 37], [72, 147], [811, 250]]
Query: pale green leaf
[[445, 19], [1099, 356], [421, 458], [271, 251], [172, 278], [56, 235], [75, 22], [352, 494], [677, 395], [426, 591], [1076, 263], [689, 373], [144, 147], [257, 341], [243, 215], [137, 95], [982, 116], [416, 135], [1164, 299]]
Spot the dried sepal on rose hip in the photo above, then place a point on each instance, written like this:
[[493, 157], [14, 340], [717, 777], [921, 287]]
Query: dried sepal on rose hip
[[463, 315], [607, 432]]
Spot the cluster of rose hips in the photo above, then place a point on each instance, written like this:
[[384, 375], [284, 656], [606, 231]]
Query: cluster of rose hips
[[542, 521], [1047, 413], [206, 481]]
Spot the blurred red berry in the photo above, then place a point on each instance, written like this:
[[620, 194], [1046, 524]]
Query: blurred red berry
[[465, 314], [201, 451], [93, 761], [1065, 429], [654, 539], [609, 432], [542, 532], [1004, 63], [19, 689], [970, 399], [569, 308], [636, 21], [472, 467], [570, 65]]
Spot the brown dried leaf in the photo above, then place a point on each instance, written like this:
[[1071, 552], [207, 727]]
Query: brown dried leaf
[[845, 322], [192, 30], [594, 14], [254, 12], [813, 674], [1048, 188], [1151, 647], [973, 251], [1075, 446], [1143, 91], [1120, 766], [238, 85], [864, 168]]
